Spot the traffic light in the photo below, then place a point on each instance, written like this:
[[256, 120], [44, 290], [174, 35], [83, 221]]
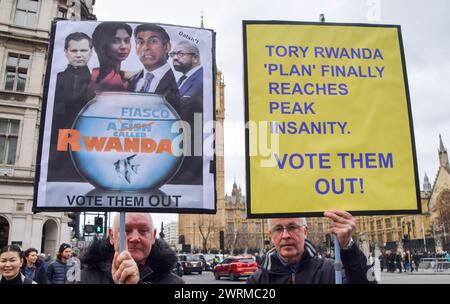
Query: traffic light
[[222, 240], [74, 223], [98, 223]]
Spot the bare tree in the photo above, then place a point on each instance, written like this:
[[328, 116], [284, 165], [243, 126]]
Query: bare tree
[[205, 226], [234, 241]]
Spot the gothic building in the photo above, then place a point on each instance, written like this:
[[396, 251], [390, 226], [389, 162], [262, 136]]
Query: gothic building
[[424, 232]]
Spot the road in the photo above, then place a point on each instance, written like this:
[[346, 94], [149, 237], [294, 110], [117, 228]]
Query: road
[[207, 278], [386, 278]]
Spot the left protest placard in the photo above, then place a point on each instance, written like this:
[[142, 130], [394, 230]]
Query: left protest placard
[[122, 122]]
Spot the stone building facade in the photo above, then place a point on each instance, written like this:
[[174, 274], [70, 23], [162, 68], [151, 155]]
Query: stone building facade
[[24, 39]]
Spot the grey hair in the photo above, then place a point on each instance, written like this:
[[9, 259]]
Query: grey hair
[[191, 47], [302, 222]]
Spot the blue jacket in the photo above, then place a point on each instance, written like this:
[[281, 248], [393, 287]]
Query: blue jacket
[[57, 272]]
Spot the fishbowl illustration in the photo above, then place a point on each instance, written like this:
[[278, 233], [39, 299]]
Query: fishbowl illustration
[[127, 141]]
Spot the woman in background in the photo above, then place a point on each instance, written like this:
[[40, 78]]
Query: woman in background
[[111, 41], [32, 267]]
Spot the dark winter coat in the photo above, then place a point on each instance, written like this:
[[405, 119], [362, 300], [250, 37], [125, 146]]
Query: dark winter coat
[[57, 272], [98, 258], [314, 270], [70, 98]]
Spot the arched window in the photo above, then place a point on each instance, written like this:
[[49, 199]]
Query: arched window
[[4, 231]]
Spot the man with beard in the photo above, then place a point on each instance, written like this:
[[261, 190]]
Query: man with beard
[[186, 60]]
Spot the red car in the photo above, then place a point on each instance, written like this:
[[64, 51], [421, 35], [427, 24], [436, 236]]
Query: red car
[[235, 267]]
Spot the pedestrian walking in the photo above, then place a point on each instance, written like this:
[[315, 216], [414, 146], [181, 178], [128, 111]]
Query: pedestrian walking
[[32, 267], [57, 270], [399, 261], [382, 260]]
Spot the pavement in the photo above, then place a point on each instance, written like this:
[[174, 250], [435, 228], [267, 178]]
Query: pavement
[[415, 278], [207, 277], [386, 278]]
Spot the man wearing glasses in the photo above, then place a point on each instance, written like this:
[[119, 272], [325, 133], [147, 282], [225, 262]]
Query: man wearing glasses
[[293, 260], [152, 48], [186, 60]]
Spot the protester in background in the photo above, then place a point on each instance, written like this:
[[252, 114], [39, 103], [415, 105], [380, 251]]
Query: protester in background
[[257, 258], [382, 260], [32, 267], [408, 262], [112, 45], [57, 270], [416, 259], [390, 259], [293, 259], [10, 263], [43, 259], [146, 259], [399, 261]]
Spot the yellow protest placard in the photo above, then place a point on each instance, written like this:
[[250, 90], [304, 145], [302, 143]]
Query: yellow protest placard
[[329, 120]]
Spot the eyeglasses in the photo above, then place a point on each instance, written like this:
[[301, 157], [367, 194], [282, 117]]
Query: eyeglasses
[[179, 54], [291, 229]]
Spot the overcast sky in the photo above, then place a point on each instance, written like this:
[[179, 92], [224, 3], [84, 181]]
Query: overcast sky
[[425, 30]]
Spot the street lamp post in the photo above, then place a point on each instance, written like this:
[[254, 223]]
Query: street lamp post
[[263, 237], [424, 239], [193, 241]]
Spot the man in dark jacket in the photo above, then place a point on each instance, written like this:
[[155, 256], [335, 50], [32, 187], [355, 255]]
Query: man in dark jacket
[[294, 260], [186, 60], [153, 258], [70, 98], [57, 270]]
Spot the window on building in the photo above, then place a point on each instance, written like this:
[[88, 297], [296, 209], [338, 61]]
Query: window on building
[[320, 228], [244, 227], [389, 237], [230, 228], [9, 132], [387, 222], [62, 13], [257, 227], [379, 227], [26, 13], [229, 214], [380, 238], [399, 221], [16, 72]]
